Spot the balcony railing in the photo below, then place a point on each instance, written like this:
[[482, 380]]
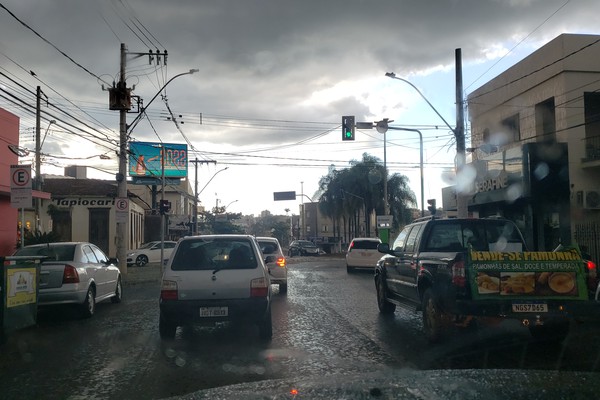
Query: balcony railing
[[592, 149]]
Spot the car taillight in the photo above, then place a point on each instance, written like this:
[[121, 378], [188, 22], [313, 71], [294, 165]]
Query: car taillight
[[592, 273], [168, 290], [458, 274], [70, 274], [280, 262], [259, 287]]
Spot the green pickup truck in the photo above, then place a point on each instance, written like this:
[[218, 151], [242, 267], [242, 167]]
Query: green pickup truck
[[460, 272]]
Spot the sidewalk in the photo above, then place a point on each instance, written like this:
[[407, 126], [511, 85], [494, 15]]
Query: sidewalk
[[149, 273]]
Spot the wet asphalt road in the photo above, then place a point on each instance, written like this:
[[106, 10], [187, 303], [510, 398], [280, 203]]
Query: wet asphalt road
[[327, 323]]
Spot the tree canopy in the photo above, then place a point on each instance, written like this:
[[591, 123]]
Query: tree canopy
[[347, 194]]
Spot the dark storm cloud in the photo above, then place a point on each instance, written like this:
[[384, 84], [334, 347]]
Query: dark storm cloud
[[264, 59]]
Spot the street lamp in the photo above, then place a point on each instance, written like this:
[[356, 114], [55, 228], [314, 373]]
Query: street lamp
[[137, 119], [212, 177], [124, 130], [382, 126], [458, 135], [227, 206]]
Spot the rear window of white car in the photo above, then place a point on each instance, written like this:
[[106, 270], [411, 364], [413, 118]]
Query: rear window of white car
[[268, 247], [365, 245], [214, 254]]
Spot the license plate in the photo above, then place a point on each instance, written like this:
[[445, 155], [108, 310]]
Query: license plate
[[530, 307], [214, 312]]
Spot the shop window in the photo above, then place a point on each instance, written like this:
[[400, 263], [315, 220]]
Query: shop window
[[545, 121], [512, 129]]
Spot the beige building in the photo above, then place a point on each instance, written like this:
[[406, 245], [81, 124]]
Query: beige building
[[535, 142]]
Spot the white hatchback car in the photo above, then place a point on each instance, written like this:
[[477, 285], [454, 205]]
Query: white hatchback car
[[215, 278], [362, 253], [275, 260]]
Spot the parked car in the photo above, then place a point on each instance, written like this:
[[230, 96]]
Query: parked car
[[275, 261], [362, 253], [215, 278], [74, 273], [149, 252], [303, 248]]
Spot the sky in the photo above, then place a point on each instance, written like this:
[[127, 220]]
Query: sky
[[263, 113]]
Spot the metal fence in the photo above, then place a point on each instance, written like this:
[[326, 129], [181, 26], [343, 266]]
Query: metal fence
[[587, 236]]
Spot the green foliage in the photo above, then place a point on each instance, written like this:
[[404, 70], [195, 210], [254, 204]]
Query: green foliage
[[38, 237], [344, 194], [220, 223]]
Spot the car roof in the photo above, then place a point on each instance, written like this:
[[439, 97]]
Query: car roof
[[367, 239], [272, 239]]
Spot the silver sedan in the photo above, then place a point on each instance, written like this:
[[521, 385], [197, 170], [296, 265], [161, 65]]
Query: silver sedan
[[74, 273]]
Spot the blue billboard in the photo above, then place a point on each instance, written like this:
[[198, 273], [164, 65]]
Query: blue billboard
[[145, 159]]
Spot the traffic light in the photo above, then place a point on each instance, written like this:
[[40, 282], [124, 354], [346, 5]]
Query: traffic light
[[348, 127], [165, 206], [432, 209]]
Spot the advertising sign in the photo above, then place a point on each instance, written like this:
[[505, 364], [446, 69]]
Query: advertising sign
[[146, 159], [20, 287], [528, 275]]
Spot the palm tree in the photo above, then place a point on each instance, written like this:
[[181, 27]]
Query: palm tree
[[348, 193]]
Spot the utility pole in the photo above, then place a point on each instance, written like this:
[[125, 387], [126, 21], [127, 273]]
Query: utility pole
[[38, 158], [196, 162], [461, 198], [121, 100]]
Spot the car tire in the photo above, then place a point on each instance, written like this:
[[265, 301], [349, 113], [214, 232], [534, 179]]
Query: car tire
[[265, 327], [555, 332], [385, 307], [166, 329], [141, 260], [88, 307], [434, 320], [283, 288], [118, 292]]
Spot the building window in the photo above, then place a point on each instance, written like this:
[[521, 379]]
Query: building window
[[512, 128], [545, 121], [324, 228], [592, 114]]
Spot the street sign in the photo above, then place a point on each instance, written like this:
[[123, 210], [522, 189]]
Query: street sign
[[385, 221], [284, 196], [122, 209], [20, 186]]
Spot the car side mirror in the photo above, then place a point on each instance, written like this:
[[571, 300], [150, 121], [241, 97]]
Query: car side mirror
[[383, 248]]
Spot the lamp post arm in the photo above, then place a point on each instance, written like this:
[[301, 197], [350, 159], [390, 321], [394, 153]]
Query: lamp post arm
[[137, 119], [420, 162], [393, 76], [211, 178]]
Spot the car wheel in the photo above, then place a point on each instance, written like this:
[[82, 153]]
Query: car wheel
[[550, 332], [385, 307], [118, 292], [166, 329], [283, 288], [88, 307], [265, 327], [434, 320], [141, 260]]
